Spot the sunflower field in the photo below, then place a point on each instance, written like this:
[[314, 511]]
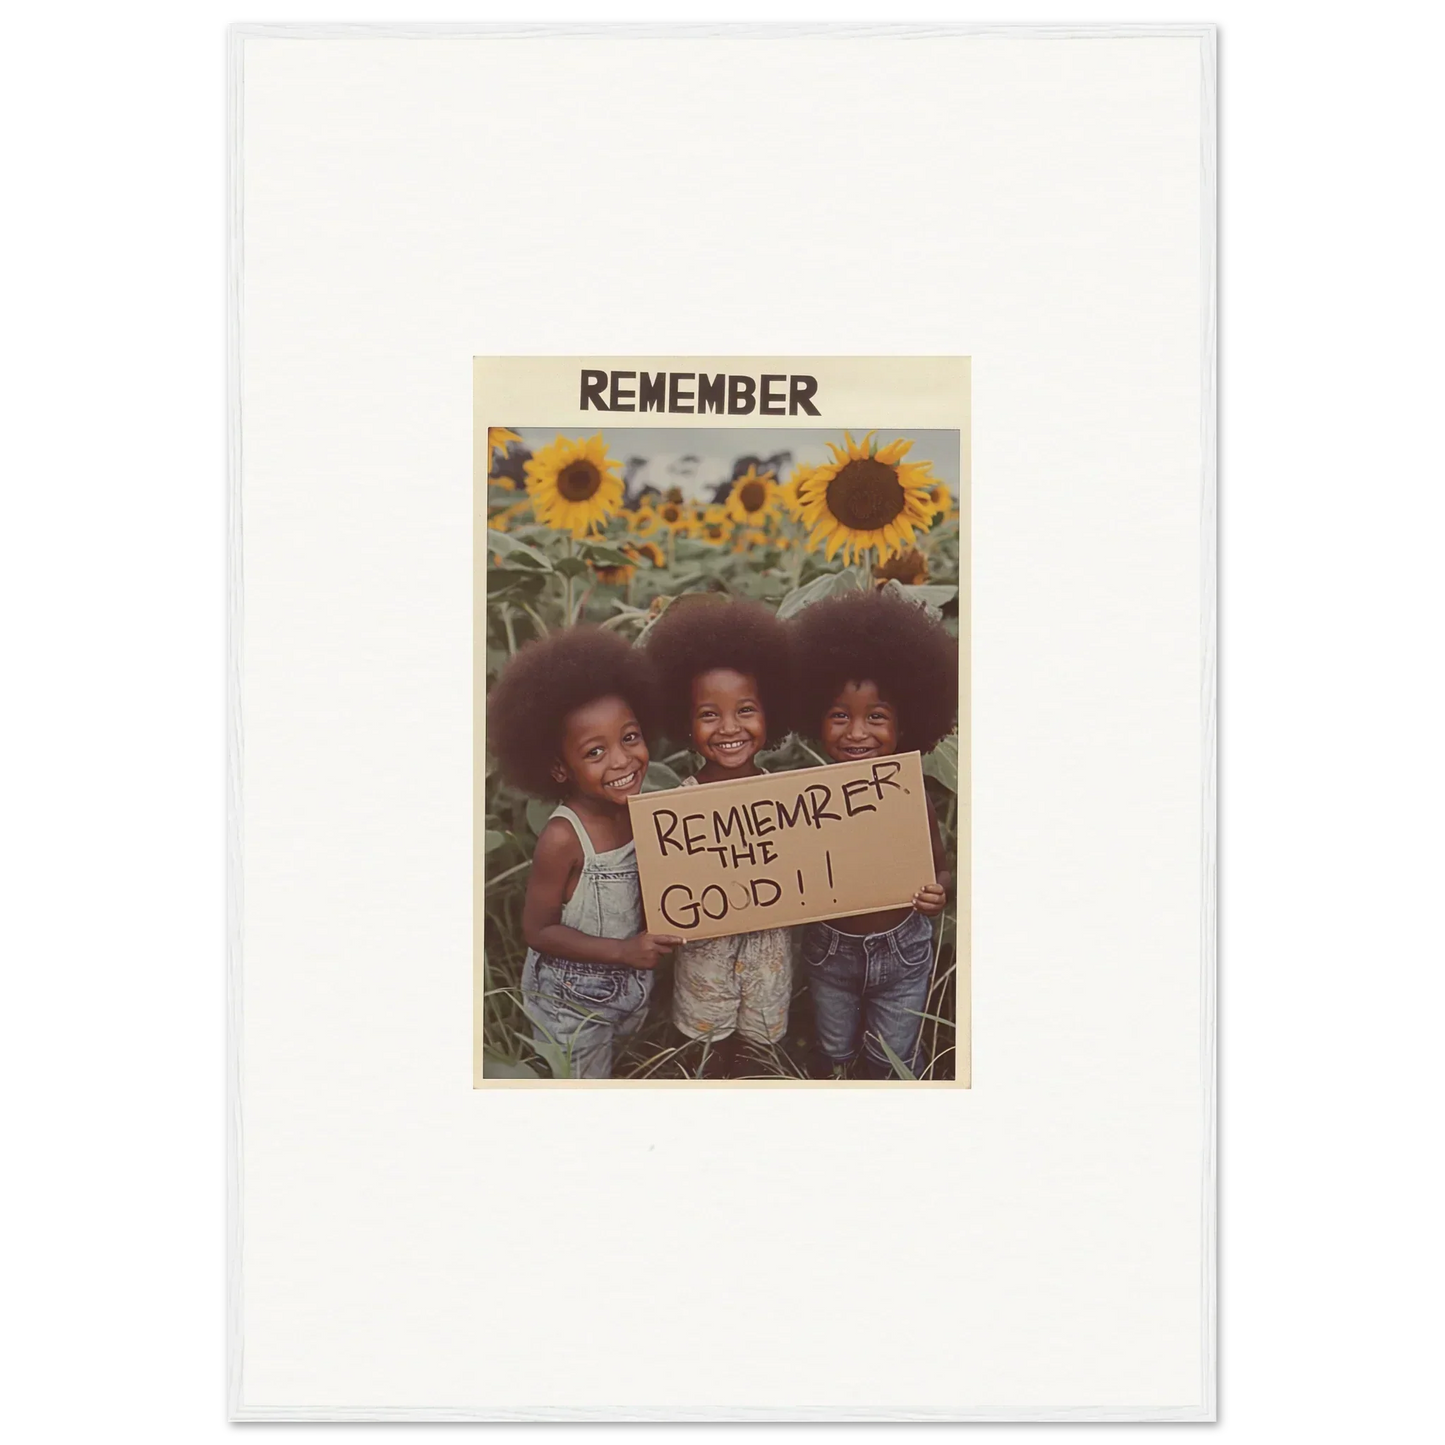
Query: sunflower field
[[567, 544]]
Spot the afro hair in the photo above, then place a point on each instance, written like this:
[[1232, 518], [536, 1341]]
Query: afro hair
[[889, 641], [700, 632], [548, 680]]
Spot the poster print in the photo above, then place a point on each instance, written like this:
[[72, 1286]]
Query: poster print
[[721, 598]]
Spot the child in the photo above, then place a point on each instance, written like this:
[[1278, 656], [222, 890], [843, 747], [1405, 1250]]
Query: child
[[875, 675], [568, 719], [723, 671]]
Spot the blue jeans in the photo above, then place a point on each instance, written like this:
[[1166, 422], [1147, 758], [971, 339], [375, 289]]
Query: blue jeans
[[580, 1012], [868, 987]]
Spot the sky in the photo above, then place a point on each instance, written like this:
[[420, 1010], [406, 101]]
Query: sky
[[696, 459]]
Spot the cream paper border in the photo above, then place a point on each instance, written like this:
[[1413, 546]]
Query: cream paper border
[[896, 394]]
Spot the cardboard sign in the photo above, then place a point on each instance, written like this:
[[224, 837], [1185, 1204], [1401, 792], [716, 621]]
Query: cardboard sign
[[782, 849]]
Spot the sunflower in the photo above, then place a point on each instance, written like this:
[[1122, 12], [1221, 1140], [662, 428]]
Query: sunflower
[[499, 438], [909, 568], [620, 574], [676, 517], [644, 522], [715, 525], [754, 498], [500, 521], [788, 493], [614, 576], [574, 485], [941, 500], [867, 497], [749, 539]]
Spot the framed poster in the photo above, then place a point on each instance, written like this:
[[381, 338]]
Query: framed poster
[[723, 730]]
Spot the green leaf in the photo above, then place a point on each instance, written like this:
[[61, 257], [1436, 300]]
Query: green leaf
[[606, 556], [493, 840], [538, 813], [899, 1067], [942, 763], [938, 597], [556, 1057], [502, 579], [570, 567], [933, 1018], [511, 548], [932, 599], [683, 580], [495, 1067], [830, 584], [660, 776]]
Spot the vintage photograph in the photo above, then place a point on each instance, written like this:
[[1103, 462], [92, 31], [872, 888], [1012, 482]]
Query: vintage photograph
[[722, 802]]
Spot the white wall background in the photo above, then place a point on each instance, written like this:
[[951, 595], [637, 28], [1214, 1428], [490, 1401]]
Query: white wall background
[[407, 1248]]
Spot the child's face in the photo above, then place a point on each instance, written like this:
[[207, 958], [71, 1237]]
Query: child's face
[[859, 724], [604, 754], [728, 724]]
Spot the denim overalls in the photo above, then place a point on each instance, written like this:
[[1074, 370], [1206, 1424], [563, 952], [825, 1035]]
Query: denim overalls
[[584, 1009]]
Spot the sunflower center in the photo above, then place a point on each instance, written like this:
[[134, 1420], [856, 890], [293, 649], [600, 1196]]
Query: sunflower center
[[905, 567], [671, 513], [752, 495], [865, 495], [578, 480]]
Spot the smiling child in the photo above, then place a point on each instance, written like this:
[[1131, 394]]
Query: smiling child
[[724, 675], [568, 719], [875, 674]]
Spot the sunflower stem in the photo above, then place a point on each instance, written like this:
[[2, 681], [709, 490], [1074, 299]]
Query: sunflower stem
[[567, 586]]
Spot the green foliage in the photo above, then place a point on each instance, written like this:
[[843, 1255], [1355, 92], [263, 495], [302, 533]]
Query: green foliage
[[942, 763], [515, 550], [659, 778], [899, 1067], [496, 1067], [829, 584]]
